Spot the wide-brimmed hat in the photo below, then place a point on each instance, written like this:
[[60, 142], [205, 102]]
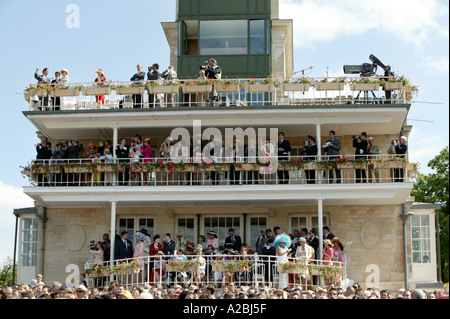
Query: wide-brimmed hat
[[370, 138], [170, 138], [303, 239], [64, 70], [144, 231], [212, 233], [139, 236], [282, 238], [146, 139], [328, 242], [230, 250], [96, 72]]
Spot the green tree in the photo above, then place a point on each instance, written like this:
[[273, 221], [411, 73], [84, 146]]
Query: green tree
[[6, 273], [433, 188]]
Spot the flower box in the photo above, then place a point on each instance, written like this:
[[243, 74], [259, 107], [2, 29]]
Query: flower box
[[54, 169], [248, 167], [389, 164], [220, 88], [39, 93], [218, 267], [329, 86], [197, 89], [390, 86], [351, 166], [311, 166], [96, 91], [130, 90], [163, 89], [80, 169], [295, 87], [64, 92], [108, 168], [364, 86], [259, 88], [27, 96], [221, 168]]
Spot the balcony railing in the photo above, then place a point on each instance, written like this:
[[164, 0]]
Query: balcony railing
[[209, 93], [195, 172], [218, 269]]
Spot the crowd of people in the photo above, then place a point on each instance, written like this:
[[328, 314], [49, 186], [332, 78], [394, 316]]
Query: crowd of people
[[230, 291], [139, 150]]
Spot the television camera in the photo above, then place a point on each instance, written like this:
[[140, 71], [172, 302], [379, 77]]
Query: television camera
[[367, 69]]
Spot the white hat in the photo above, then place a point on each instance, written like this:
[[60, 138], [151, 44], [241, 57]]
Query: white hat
[[302, 239], [82, 287]]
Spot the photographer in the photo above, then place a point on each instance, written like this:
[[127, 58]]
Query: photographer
[[361, 145], [212, 72], [153, 75], [400, 150], [169, 75], [59, 154], [138, 78]]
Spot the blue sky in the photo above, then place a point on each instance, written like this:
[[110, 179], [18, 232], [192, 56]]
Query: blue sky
[[410, 35]]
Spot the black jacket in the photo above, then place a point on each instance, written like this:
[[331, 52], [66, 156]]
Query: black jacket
[[122, 152], [43, 152], [361, 147], [73, 151], [286, 146], [236, 245]]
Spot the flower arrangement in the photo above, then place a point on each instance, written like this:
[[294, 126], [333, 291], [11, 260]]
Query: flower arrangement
[[341, 79], [366, 80], [271, 80], [233, 266], [184, 265]]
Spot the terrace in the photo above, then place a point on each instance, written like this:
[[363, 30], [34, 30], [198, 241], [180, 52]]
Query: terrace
[[220, 93]]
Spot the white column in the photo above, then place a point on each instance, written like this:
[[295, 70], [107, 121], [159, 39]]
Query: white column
[[319, 152], [320, 226], [113, 235]]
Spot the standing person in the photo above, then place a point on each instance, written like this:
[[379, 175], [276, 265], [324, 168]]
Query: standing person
[[282, 243], [202, 242], [154, 248], [284, 148], [267, 153], [328, 252], [169, 75], [332, 148], [107, 158], [122, 153], [139, 77], [165, 151], [305, 253], [59, 155], [213, 240], [146, 151], [374, 150], [72, 153], [56, 101], [106, 247], [314, 243], [236, 157], [213, 72], [361, 145], [153, 75], [233, 241], [168, 245], [252, 153], [327, 234], [400, 150], [268, 252], [139, 252], [124, 247], [63, 84], [100, 99], [200, 272], [43, 79], [98, 253], [260, 242], [310, 150]]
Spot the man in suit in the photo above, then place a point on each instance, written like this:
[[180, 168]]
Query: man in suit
[[260, 242], [138, 77], [310, 150], [332, 148], [169, 75], [124, 247], [269, 253], [360, 143], [122, 151], [373, 149], [400, 150], [168, 245], [72, 152], [284, 147], [327, 234], [56, 101], [153, 75], [233, 241], [314, 243], [43, 79]]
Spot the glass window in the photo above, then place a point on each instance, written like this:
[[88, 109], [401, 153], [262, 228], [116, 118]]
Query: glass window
[[216, 224], [257, 224], [186, 226], [29, 241], [223, 37], [421, 243], [257, 38]]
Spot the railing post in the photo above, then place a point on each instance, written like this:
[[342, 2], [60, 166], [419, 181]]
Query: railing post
[[113, 237]]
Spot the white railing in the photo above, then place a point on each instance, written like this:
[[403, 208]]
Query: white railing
[[195, 172], [218, 269], [119, 95]]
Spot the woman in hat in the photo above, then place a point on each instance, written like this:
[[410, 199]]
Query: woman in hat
[[63, 85], [100, 99], [200, 272], [213, 240], [107, 158], [328, 252], [139, 251], [338, 251], [282, 243]]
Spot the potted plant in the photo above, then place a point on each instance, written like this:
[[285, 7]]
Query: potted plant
[[326, 85], [296, 85], [59, 90], [135, 88], [394, 83], [365, 84], [166, 87], [227, 86], [97, 89], [268, 85], [198, 86]]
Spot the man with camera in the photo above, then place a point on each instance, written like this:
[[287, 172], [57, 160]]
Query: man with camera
[[153, 75], [169, 75], [212, 72], [360, 143], [138, 78], [400, 148]]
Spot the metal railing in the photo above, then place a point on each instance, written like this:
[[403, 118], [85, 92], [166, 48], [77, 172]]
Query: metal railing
[[240, 92], [219, 270], [195, 172]]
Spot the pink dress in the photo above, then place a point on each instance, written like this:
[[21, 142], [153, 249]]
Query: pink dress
[[139, 253], [147, 152], [325, 258]]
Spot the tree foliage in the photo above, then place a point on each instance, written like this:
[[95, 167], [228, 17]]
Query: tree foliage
[[434, 188], [6, 272]]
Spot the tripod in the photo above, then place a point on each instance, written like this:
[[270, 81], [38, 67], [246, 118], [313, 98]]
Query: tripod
[[366, 97]]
